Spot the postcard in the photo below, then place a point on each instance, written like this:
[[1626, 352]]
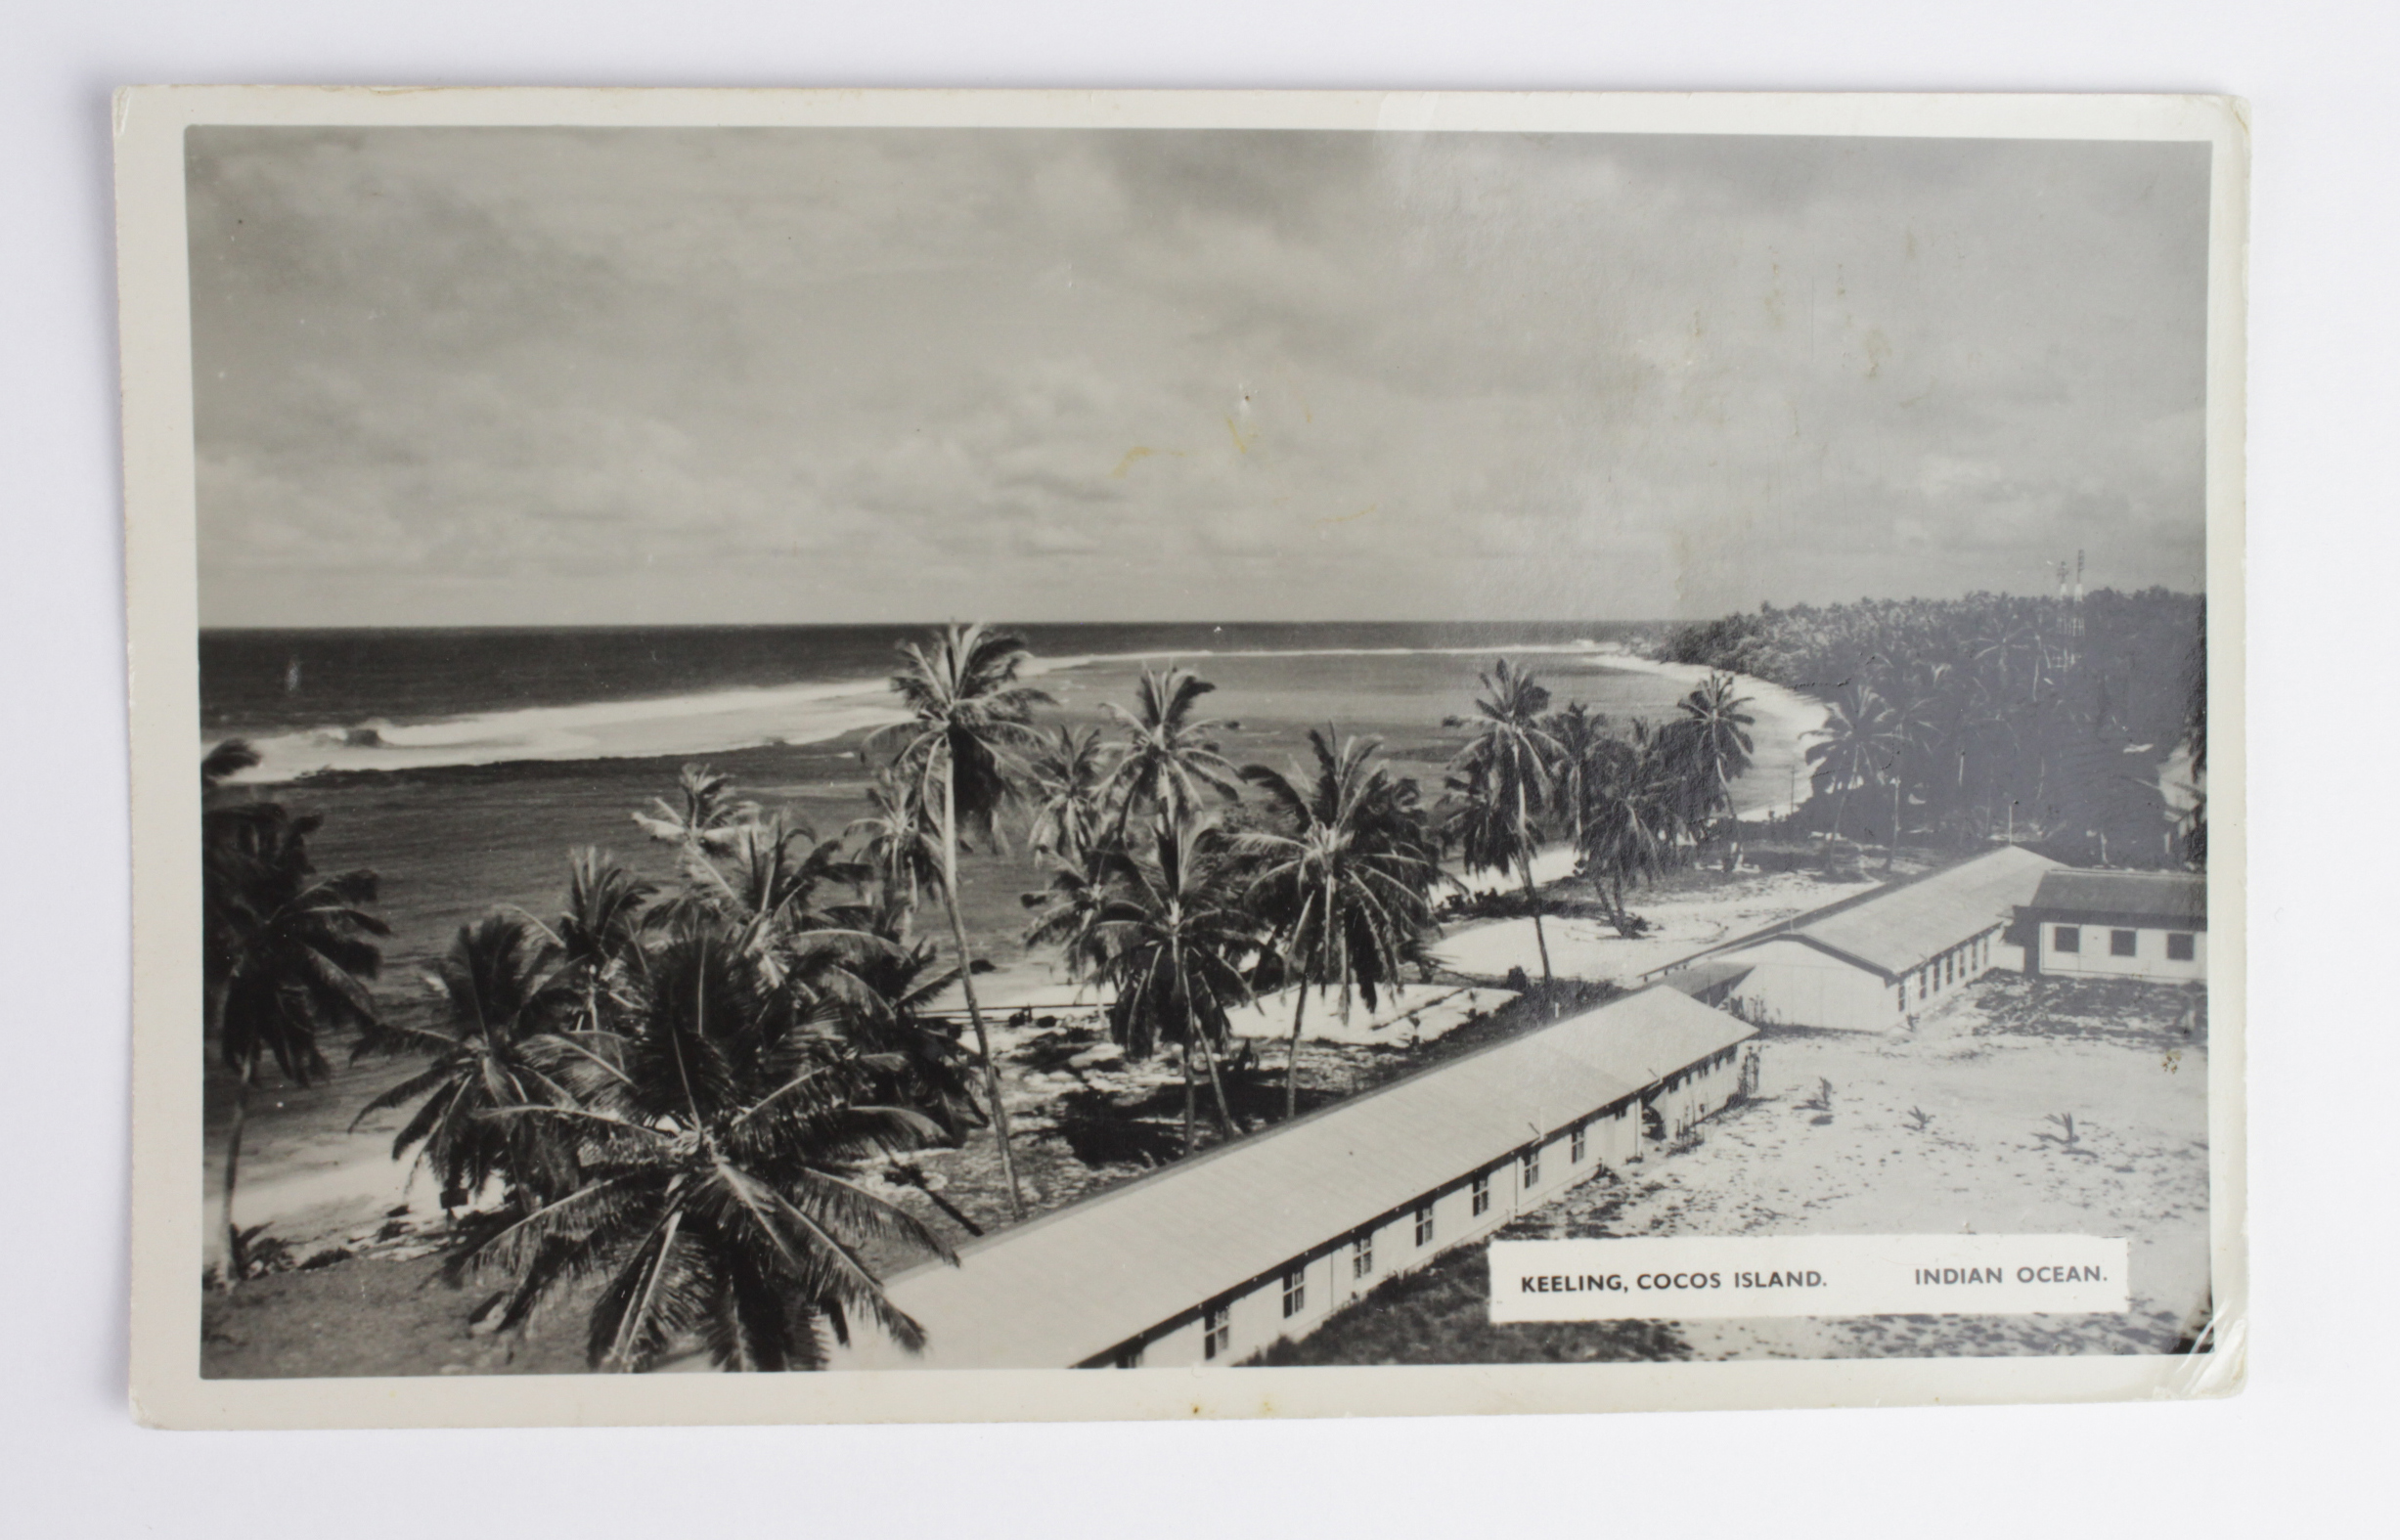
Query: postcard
[[882, 756]]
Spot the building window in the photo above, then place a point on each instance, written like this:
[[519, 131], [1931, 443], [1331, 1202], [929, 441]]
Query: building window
[[1130, 1357], [1425, 1224], [1479, 1199], [2179, 946], [1218, 1325], [1295, 1292], [2066, 937], [1924, 983], [1575, 1146], [2120, 944], [1362, 1255], [1530, 1174]]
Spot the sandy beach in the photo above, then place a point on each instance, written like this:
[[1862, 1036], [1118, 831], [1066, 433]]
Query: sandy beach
[[1787, 721]]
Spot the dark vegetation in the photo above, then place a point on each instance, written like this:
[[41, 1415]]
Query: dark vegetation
[[2048, 721], [2134, 1012]]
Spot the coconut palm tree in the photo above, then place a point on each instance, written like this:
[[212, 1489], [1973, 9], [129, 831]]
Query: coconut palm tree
[[1579, 733], [1169, 763], [1854, 745], [769, 883], [717, 1198], [287, 954], [1630, 818], [703, 818], [1915, 731], [1504, 784], [900, 846], [1069, 779], [969, 713], [1069, 911], [1717, 738], [501, 999], [1343, 876], [1178, 944], [598, 931], [912, 1058], [765, 897]]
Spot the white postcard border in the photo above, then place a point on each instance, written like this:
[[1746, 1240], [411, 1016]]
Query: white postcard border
[[162, 625]]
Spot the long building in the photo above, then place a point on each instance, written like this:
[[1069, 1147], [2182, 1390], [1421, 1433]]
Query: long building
[[1213, 1259], [1871, 962]]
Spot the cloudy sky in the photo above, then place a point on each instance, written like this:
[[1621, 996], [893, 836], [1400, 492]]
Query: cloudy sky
[[556, 377]]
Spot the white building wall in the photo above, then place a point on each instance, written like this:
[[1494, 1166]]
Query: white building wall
[[2149, 960], [1617, 1138], [1794, 984], [1174, 1348], [1698, 1096]]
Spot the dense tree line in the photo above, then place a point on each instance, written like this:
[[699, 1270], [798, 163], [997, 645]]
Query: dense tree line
[[2077, 724]]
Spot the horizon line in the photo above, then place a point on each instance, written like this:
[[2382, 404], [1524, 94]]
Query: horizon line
[[1765, 607]]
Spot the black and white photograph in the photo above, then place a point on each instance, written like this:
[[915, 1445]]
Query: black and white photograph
[[1002, 736]]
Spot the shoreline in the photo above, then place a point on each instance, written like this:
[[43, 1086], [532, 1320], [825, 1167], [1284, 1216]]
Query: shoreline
[[1786, 720], [796, 714]]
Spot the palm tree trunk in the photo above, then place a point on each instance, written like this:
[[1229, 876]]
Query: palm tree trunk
[[1733, 821], [232, 1167], [1227, 1124], [1192, 1102], [1291, 1061], [1208, 1056], [1525, 865], [966, 984]]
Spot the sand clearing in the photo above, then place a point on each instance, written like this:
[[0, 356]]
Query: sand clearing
[[1682, 923], [1985, 1158], [1401, 1020]]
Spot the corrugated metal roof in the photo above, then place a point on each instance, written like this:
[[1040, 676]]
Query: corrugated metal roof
[[2175, 896], [1896, 928], [1076, 1283], [1700, 978], [1900, 931]]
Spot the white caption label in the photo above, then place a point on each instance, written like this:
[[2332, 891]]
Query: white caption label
[[1705, 1277]]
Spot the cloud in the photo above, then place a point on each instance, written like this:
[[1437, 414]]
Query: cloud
[[783, 374]]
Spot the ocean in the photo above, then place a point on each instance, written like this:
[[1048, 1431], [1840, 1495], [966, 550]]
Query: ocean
[[314, 701]]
